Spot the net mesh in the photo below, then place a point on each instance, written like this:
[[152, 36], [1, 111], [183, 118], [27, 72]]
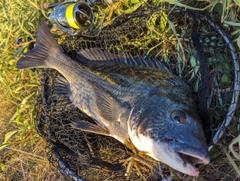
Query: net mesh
[[190, 45]]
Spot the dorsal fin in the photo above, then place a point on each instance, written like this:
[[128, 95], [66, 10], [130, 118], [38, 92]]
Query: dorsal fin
[[96, 55]]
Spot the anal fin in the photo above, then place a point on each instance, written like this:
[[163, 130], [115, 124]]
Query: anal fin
[[62, 91]]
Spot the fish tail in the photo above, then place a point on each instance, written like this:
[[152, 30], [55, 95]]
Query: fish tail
[[45, 46]]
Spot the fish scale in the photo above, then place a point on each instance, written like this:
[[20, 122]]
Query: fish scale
[[130, 98]]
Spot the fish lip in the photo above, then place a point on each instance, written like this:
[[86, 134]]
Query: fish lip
[[189, 156], [191, 169], [199, 158]]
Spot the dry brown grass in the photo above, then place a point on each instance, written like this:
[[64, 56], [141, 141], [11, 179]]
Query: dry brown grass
[[25, 160]]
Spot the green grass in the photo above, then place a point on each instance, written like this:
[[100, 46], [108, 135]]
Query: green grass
[[18, 89], [19, 21], [21, 148]]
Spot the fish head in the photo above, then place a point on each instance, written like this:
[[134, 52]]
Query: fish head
[[169, 131]]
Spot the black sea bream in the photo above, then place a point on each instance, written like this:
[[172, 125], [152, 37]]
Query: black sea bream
[[130, 98]]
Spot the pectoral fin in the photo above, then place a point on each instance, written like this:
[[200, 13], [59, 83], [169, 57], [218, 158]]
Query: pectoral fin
[[110, 108]]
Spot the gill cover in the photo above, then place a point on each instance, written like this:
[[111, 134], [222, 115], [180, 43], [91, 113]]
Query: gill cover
[[169, 132]]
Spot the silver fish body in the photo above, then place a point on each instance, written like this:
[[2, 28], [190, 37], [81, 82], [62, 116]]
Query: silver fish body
[[130, 98]]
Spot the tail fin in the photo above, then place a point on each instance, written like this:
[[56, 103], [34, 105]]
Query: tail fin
[[45, 46]]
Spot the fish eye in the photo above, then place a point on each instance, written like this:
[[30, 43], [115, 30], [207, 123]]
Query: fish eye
[[178, 117]]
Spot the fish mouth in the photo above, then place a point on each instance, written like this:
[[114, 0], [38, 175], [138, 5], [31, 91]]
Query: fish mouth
[[189, 156]]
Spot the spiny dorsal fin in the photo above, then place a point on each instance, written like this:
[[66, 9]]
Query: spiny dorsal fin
[[89, 127], [109, 107], [45, 46], [94, 55]]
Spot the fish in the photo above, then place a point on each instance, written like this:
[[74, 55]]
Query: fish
[[130, 98]]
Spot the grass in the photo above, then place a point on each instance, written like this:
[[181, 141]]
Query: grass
[[22, 151]]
